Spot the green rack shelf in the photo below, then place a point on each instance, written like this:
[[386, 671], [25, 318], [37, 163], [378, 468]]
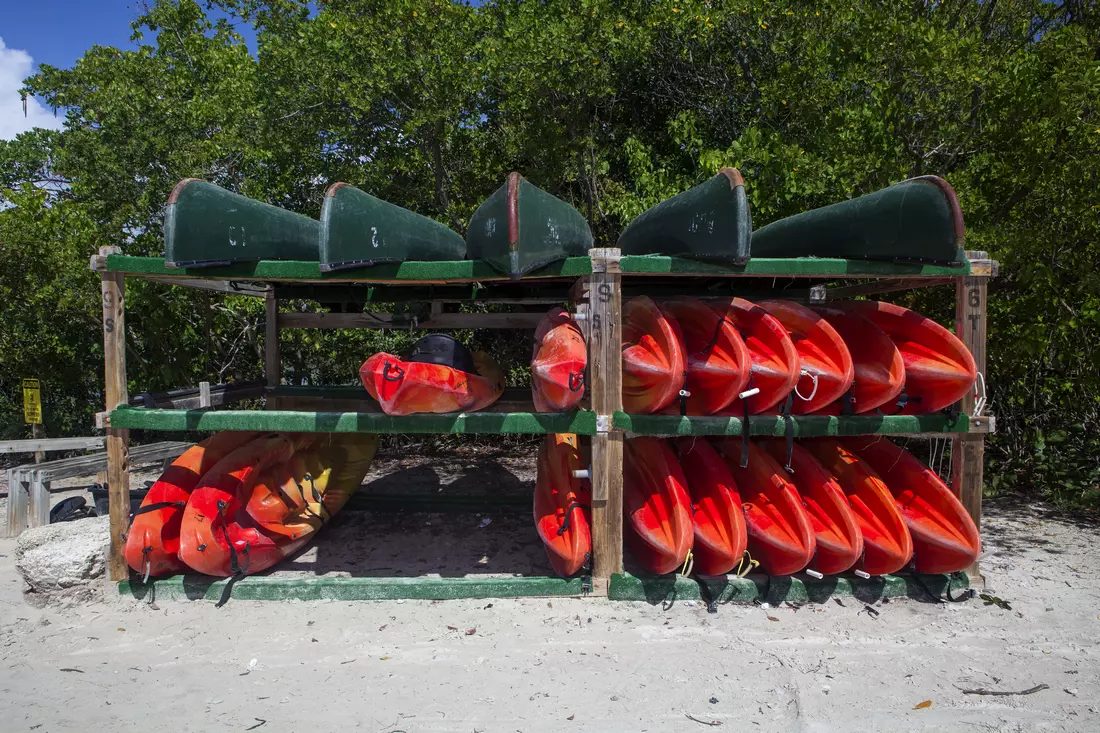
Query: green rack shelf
[[804, 426]]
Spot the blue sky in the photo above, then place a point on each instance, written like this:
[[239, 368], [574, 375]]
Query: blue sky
[[55, 32]]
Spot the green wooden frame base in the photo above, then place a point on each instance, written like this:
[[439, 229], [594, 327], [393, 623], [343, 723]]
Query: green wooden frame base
[[275, 588], [531, 423], [477, 270], [777, 589]]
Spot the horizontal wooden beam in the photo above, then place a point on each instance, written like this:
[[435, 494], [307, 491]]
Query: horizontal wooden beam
[[886, 285], [356, 399], [402, 320], [227, 287], [47, 445], [191, 398]]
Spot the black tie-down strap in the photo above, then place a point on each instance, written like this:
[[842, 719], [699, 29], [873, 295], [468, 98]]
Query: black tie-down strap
[[567, 522], [684, 394], [848, 401], [317, 498], [788, 422], [234, 565], [745, 427], [155, 506]]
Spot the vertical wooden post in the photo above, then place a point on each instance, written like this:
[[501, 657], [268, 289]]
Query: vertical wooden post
[[605, 370], [968, 451], [118, 440], [38, 431], [272, 363]]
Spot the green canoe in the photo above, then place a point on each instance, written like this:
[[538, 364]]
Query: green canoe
[[205, 225], [521, 228], [917, 220], [359, 230], [708, 222]]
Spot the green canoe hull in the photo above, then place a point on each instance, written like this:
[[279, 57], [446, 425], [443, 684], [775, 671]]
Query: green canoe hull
[[205, 226], [521, 228], [708, 222], [917, 220], [359, 230]]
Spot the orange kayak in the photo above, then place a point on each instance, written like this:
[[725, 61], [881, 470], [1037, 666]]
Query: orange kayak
[[879, 368], [656, 506], [153, 540], [563, 513], [945, 539], [720, 537], [887, 544], [558, 363], [939, 369], [839, 541], [774, 368], [654, 367], [825, 366], [779, 532], [718, 362], [439, 376]]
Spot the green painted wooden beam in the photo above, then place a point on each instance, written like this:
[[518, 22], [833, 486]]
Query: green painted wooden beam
[[777, 589], [785, 267], [276, 588], [533, 423], [470, 270], [805, 426]]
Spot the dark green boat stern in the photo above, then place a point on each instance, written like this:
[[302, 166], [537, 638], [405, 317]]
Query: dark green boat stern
[[359, 230], [708, 222], [205, 225], [521, 228], [917, 220]]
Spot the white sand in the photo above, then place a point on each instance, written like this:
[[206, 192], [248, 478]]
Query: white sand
[[531, 665]]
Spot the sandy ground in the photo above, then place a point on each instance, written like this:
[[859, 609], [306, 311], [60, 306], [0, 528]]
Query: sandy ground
[[561, 664]]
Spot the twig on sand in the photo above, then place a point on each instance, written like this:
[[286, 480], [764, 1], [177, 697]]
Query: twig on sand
[[1004, 693], [704, 722], [262, 721]]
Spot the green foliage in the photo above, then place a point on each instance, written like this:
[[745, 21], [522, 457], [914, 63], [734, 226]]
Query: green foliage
[[612, 106]]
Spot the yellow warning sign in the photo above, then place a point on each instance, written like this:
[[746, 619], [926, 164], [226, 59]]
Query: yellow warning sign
[[32, 402]]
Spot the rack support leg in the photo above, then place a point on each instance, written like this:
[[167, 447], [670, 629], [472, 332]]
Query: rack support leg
[[968, 451], [118, 440], [272, 362]]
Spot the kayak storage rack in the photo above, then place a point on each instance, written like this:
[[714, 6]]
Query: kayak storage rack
[[596, 286]]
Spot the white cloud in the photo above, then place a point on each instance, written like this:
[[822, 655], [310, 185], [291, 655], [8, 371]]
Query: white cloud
[[15, 66]]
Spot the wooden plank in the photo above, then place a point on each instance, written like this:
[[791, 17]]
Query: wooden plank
[[49, 445], [968, 451], [113, 289], [273, 365], [886, 285], [204, 395], [805, 426], [384, 321], [603, 324], [190, 398], [39, 514], [18, 502], [226, 287]]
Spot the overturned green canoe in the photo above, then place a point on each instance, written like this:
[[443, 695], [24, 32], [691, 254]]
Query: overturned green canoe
[[205, 225], [917, 220], [708, 222], [521, 228], [359, 230]]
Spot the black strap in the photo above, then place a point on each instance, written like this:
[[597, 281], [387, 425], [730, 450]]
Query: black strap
[[789, 425], [233, 564], [848, 401], [569, 517], [396, 369], [705, 594], [684, 396], [157, 506], [717, 332]]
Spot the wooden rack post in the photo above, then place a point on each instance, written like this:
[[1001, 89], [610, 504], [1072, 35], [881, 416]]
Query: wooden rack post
[[968, 450], [605, 369], [272, 363], [113, 287]]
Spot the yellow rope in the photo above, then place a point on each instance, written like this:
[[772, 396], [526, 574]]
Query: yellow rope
[[744, 569], [689, 565]]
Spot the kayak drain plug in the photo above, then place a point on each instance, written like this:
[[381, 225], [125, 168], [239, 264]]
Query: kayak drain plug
[[863, 574], [749, 393], [814, 574]]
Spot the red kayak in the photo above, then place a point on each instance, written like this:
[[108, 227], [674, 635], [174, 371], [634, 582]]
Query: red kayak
[[438, 375], [290, 501], [654, 367], [839, 542], [887, 545], [212, 540], [879, 368], [779, 532], [558, 363], [774, 359], [659, 529], [720, 535], [563, 513], [945, 539], [718, 362], [939, 369], [825, 366], [153, 540]]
